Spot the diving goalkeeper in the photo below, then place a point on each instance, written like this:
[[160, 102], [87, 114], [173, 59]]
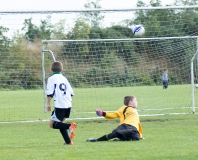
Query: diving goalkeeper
[[130, 127]]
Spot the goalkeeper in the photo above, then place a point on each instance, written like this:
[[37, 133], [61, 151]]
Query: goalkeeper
[[130, 127]]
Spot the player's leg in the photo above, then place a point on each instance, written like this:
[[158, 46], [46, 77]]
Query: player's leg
[[166, 84], [57, 118], [135, 136], [72, 127], [113, 135], [51, 123], [132, 133], [163, 84], [105, 137], [65, 136]]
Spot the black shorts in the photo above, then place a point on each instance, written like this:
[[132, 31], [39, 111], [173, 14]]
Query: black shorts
[[59, 114], [127, 132]]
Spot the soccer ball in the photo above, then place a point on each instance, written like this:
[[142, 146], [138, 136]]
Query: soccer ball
[[138, 30], [196, 85]]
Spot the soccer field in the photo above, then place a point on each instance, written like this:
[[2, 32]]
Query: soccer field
[[167, 138], [104, 60], [168, 135]]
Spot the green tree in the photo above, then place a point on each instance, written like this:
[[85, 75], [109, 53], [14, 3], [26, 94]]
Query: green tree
[[46, 28], [32, 32], [80, 30], [24, 63], [190, 21], [94, 18], [184, 2], [4, 53], [59, 30], [4, 42]]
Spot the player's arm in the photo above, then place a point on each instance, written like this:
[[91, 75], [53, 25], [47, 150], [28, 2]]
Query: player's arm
[[112, 115], [50, 93], [162, 77], [48, 103], [106, 114]]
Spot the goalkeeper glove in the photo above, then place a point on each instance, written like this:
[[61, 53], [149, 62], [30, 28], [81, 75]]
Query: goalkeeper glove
[[99, 112]]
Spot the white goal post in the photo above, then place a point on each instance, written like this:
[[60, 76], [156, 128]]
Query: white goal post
[[193, 75], [43, 73]]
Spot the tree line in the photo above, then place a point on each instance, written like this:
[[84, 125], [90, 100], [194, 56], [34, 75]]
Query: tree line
[[21, 69]]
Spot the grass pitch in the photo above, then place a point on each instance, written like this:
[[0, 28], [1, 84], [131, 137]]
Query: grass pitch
[[26, 105], [167, 138]]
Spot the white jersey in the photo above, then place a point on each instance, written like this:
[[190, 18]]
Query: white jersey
[[60, 89]]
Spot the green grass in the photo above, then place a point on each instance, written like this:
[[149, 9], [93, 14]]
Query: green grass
[[28, 104], [167, 138]]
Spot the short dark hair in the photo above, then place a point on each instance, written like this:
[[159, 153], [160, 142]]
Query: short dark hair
[[57, 66], [127, 99]]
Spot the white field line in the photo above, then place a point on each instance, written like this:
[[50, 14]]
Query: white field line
[[91, 118], [139, 110]]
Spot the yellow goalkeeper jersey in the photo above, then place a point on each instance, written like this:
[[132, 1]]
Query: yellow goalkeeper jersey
[[127, 115]]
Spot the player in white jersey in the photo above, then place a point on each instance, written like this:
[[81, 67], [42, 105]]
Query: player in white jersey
[[59, 88]]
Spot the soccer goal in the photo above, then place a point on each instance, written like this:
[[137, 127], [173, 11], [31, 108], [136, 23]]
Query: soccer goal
[[134, 66], [102, 59], [117, 67]]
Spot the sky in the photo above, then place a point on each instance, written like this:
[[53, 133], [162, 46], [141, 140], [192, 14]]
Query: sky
[[15, 22], [67, 4]]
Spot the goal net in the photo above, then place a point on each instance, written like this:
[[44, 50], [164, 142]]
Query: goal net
[[109, 69], [102, 59]]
